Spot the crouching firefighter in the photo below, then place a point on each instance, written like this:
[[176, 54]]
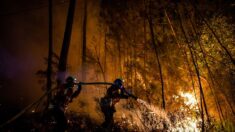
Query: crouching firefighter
[[63, 96], [114, 93]]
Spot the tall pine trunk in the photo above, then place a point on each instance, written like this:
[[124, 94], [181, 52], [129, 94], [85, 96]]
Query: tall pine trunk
[[119, 59], [66, 42], [105, 56], [147, 93], [50, 51], [105, 59], [159, 64], [84, 30]]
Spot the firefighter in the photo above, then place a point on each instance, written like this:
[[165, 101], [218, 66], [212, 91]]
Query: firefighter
[[64, 95], [113, 95]]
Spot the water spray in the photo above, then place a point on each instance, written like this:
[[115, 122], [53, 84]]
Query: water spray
[[152, 117]]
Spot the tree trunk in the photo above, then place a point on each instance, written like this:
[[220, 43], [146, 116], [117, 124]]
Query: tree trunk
[[202, 113], [50, 52], [135, 68], [105, 59], [119, 59], [105, 56], [66, 42], [147, 93], [84, 41], [159, 64], [131, 65]]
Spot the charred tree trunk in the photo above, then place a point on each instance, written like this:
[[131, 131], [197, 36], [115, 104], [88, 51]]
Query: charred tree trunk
[[135, 68], [147, 93], [105, 56], [66, 42], [202, 113], [84, 30], [131, 65], [50, 52], [159, 64], [119, 59], [105, 59]]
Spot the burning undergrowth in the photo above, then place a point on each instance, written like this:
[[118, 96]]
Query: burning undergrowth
[[139, 116], [151, 117], [146, 117]]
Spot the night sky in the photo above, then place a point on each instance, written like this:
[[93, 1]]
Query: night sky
[[23, 46]]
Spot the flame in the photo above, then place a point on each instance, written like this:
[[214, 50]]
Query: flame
[[189, 99], [189, 123]]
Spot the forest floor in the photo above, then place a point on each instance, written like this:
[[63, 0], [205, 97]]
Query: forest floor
[[82, 123]]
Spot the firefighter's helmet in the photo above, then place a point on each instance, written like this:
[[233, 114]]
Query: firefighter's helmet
[[71, 80], [119, 82]]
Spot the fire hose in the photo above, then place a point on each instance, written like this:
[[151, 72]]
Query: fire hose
[[94, 83]]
